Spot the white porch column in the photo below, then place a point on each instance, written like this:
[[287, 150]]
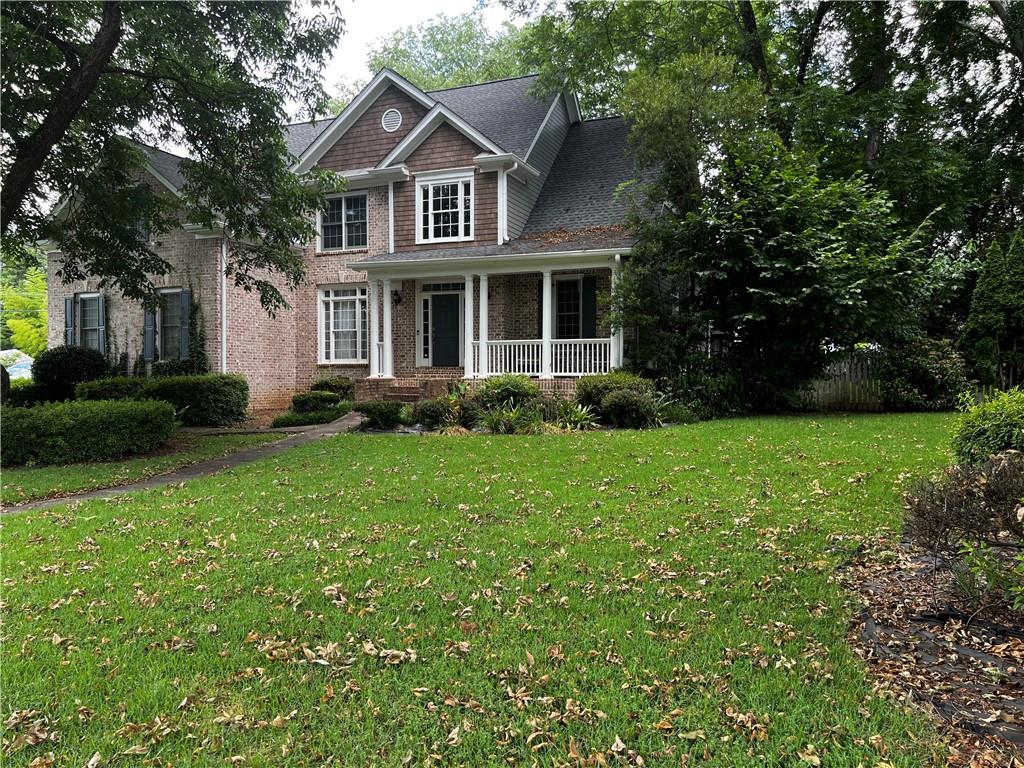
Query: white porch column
[[387, 364], [618, 337], [371, 299], [614, 350], [484, 362], [468, 330], [545, 325]]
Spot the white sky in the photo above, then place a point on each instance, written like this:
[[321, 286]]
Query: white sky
[[368, 20]]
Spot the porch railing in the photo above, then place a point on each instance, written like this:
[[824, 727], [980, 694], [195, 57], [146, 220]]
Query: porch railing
[[569, 357]]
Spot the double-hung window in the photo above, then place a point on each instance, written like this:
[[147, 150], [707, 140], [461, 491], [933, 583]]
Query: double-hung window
[[568, 308], [444, 206], [343, 223], [90, 321], [342, 324], [169, 332]]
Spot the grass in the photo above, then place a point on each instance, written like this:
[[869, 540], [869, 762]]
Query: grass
[[366, 600], [28, 483]]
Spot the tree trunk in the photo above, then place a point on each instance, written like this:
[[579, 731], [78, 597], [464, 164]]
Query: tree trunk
[[808, 40], [1015, 37], [81, 83], [878, 81], [752, 45]]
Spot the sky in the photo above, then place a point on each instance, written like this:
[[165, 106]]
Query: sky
[[368, 20]]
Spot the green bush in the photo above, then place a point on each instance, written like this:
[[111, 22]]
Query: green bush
[[325, 416], [81, 430], [629, 409], [59, 370], [575, 417], [342, 386], [709, 391], [213, 400], [676, 413], [926, 375], [190, 366], [592, 390], [305, 402], [510, 419], [434, 412], [23, 393], [381, 414], [111, 388], [513, 388], [991, 427]]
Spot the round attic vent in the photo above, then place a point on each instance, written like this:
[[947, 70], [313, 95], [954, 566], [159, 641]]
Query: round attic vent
[[391, 120]]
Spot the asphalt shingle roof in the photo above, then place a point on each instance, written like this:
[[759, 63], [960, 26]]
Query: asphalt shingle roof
[[298, 136], [504, 111], [166, 164]]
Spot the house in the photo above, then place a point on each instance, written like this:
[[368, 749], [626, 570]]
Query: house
[[479, 233]]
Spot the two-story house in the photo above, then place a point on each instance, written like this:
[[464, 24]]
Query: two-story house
[[479, 233]]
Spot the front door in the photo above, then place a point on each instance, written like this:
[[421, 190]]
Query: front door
[[444, 330]]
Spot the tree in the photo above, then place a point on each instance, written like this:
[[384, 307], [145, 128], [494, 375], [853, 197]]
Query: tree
[[24, 311], [85, 83], [449, 51], [994, 333]]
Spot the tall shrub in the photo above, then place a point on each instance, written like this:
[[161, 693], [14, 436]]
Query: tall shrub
[[57, 371]]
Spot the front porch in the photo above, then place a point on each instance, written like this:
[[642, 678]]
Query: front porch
[[475, 324]]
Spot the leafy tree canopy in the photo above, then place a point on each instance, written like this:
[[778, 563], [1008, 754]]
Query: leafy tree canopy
[[23, 306], [85, 83], [994, 333]]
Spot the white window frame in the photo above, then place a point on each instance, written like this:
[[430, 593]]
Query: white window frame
[[344, 231], [360, 297], [425, 292], [435, 178], [578, 279], [160, 323], [79, 315]]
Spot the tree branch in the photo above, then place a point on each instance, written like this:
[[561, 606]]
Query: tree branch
[[1014, 36], [808, 40]]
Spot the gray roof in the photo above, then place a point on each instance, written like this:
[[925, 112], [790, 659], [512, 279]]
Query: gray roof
[[504, 111], [580, 191], [166, 164], [298, 136]]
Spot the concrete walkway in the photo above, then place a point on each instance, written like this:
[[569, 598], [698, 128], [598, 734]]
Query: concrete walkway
[[346, 423]]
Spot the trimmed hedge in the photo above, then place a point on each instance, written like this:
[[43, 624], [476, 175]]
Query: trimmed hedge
[[84, 430], [23, 393], [434, 412], [989, 428], [629, 409], [112, 388], [57, 371], [294, 419], [592, 390], [307, 402], [212, 400], [342, 386], [381, 414]]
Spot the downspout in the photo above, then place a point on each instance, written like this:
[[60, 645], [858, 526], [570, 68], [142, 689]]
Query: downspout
[[223, 304]]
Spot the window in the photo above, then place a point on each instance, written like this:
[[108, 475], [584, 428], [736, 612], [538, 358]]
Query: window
[[343, 326], [169, 320], [89, 321], [568, 308], [343, 224], [445, 208]]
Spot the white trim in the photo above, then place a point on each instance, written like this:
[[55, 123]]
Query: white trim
[[511, 164], [364, 178], [543, 125], [387, 364], [361, 296], [482, 327], [366, 97], [224, 305], [502, 207], [437, 178], [426, 361], [498, 263], [372, 294], [430, 122], [573, 107], [467, 335], [344, 232], [545, 324], [391, 217], [578, 279], [383, 117], [77, 328]]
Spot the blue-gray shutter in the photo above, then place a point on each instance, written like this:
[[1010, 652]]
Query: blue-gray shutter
[[69, 321], [148, 335], [589, 329], [102, 312], [186, 310]]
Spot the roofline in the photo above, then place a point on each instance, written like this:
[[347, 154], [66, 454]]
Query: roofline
[[483, 82], [507, 261], [427, 125]]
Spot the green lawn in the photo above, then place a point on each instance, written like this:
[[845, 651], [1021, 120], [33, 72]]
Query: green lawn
[[472, 601], [27, 483]]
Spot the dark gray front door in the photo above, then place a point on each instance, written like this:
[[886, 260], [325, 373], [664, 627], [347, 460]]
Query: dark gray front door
[[444, 330]]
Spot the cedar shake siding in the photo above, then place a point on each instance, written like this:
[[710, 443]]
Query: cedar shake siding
[[366, 143], [446, 148]]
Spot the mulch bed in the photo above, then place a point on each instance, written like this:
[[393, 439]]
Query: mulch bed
[[925, 648]]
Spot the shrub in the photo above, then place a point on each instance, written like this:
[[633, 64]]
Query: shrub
[[972, 514], [23, 393], [469, 412], [926, 375], [306, 402], [990, 427], [59, 370], [435, 412], [98, 430], [676, 413], [213, 400], [342, 386], [325, 416], [629, 409], [592, 390], [709, 391], [575, 417], [501, 420], [513, 388], [381, 414], [190, 366], [111, 388]]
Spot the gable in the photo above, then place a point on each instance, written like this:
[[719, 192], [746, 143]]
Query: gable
[[366, 142], [445, 147]]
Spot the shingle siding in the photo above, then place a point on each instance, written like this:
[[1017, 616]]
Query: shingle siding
[[523, 197]]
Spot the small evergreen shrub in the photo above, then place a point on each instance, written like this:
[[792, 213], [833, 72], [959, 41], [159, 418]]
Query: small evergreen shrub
[[592, 390], [59, 370], [325, 416], [23, 393], [513, 388], [84, 430], [342, 386], [434, 412], [676, 413], [926, 375], [306, 402], [213, 400], [110, 388], [990, 427], [381, 414], [629, 409]]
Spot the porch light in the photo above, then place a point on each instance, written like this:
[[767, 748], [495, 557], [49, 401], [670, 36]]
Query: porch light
[[396, 297]]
